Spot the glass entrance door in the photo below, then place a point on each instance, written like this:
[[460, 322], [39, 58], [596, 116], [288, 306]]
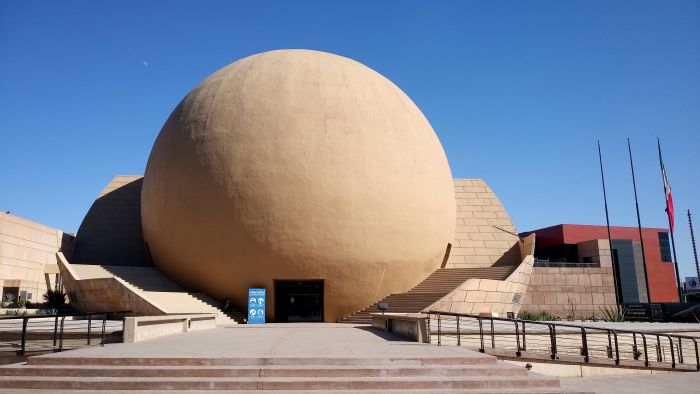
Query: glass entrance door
[[298, 301]]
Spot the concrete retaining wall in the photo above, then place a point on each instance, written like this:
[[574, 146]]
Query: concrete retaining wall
[[137, 329]]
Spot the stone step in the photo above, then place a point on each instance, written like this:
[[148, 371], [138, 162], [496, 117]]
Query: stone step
[[430, 290], [154, 286], [270, 383], [262, 361], [260, 371], [412, 391]]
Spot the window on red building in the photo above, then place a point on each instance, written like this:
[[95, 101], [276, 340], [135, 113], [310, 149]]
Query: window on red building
[[665, 246]]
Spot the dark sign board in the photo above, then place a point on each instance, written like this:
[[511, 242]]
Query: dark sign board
[[644, 312]]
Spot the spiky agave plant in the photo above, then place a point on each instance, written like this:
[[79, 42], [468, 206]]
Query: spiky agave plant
[[613, 314], [55, 298]]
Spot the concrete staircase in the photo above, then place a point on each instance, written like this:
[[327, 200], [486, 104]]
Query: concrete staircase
[[434, 287], [464, 374], [155, 287]]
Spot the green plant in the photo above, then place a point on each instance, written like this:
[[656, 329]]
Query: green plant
[[612, 314], [22, 302], [538, 316], [7, 300], [46, 312], [16, 312], [55, 299]]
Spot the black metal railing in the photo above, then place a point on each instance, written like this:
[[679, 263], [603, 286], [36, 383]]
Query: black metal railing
[[563, 264], [58, 332], [563, 342]]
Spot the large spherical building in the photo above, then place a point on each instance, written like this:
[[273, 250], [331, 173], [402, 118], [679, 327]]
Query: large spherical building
[[301, 172]]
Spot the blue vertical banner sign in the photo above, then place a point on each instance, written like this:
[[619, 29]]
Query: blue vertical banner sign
[[256, 306]]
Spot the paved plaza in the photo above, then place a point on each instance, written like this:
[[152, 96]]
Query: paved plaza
[[678, 382], [332, 341], [275, 340]]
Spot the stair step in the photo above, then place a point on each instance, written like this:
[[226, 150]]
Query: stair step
[[430, 290], [154, 286], [274, 383], [260, 371], [261, 361]]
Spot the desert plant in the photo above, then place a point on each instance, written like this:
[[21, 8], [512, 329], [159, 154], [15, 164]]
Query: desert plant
[[46, 312], [55, 299], [22, 302], [538, 316], [612, 314], [16, 312], [7, 300]]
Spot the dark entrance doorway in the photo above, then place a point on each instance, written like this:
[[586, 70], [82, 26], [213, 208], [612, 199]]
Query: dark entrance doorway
[[298, 301]]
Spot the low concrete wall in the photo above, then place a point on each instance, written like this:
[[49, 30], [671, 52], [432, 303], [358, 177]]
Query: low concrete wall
[[410, 325], [137, 329], [577, 292], [562, 370], [496, 297], [103, 294]]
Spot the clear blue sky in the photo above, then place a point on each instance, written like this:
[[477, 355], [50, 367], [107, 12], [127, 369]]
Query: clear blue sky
[[518, 92]]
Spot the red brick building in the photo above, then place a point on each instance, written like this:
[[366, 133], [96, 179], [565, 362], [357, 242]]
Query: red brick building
[[561, 245]]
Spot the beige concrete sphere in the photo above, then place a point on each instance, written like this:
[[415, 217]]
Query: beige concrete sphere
[[300, 165]]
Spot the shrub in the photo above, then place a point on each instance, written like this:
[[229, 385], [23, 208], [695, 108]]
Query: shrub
[[55, 299], [7, 300], [613, 314], [22, 302], [538, 316], [16, 312], [46, 312]]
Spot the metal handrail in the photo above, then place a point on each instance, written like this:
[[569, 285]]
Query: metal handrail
[[71, 314], [553, 330], [543, 323], [60, 328]]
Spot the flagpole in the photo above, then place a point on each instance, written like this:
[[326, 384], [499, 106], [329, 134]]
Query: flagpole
[[607, 221], [692, 239], [639, 223], [670, 225]]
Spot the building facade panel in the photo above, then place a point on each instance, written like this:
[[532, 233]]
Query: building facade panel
[[484, 233], [26, 249], [566, 238]]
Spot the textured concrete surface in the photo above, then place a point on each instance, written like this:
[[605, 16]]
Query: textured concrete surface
[[26, 248], [487, 295], [484, 233], [110, 232], [273, 340], [680, 382], [322, 357], [298, 165], [144, 291], [582, 292], [343, 340]]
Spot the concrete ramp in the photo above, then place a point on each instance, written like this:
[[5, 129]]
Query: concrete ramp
[[436, 286], [143, 290]]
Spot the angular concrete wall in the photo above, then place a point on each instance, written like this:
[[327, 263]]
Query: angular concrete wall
[[582, 292], [26, 248], [484, 234], [598, 250], [477, 296], [103, 294], [110, 233]]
